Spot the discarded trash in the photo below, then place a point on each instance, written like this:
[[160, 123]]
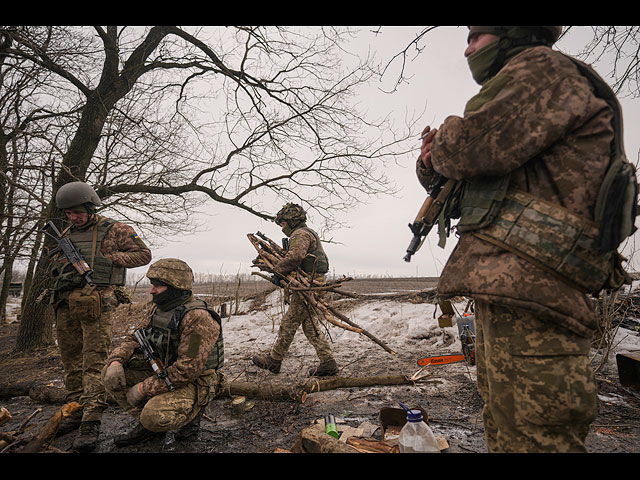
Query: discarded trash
[[330, 426], [416, 436], [629, 369]]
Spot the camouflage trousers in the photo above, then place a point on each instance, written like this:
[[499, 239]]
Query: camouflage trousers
[[171, 410], [84, 346], [300, 313], [536, 381]]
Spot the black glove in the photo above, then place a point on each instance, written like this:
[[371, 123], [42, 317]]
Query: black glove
[[277, 280]]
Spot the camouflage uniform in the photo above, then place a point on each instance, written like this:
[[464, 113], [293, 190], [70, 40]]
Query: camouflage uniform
[[303, 241], [537, 123], [191, 348], [168, 410], [305, 251], [84, 339]]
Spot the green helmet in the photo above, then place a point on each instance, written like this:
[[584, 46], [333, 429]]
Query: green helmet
[[75, 194], [173, 272], [291, 213], [549, 35]]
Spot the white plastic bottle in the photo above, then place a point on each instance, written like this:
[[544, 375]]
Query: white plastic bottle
[[416, 436]]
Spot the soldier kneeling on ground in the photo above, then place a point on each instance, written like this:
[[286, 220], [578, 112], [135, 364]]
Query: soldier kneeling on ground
[[187, 338]]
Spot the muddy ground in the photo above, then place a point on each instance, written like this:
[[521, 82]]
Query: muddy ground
[[450, 398]]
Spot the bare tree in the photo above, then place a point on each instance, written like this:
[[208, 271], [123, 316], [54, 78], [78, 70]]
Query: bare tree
[[237, 114]]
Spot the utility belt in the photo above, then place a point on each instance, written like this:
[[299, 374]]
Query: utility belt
[[555, 239]]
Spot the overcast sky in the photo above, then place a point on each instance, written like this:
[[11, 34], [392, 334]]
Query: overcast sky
[[378, 233]]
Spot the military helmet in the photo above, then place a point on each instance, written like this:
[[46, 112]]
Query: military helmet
[[550, 34], [75, 194], [291, 213], [173, 272]]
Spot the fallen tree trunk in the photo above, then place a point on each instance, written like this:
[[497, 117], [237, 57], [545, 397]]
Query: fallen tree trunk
[[38, 393], [299, 392]]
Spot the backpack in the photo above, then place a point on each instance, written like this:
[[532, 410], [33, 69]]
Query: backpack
[[617, 202]]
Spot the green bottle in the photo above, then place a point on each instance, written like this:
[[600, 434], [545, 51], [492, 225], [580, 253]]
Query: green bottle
[[330, 426]]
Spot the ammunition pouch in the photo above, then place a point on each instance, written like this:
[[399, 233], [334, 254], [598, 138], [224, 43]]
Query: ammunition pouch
[[85, 304], [556, 240]]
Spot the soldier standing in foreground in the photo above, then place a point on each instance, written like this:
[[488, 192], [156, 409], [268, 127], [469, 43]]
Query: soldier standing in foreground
[[83, 312], [305, 251], [536, 138], [186, 336]]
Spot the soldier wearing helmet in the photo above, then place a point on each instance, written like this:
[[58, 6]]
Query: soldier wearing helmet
[[83, 312], [528, 155], [186, 334], [305, 251]]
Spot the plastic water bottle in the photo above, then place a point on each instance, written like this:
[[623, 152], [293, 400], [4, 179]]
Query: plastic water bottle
[[416, 436]]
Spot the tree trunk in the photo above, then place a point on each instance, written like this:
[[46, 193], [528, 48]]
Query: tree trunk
[[298, 392]]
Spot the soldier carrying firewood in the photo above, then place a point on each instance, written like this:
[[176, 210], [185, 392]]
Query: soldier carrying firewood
[[304, 251]]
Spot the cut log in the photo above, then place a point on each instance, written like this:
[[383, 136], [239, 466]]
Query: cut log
[[298, 392], [313, 439], [47, 433], [367, 445]]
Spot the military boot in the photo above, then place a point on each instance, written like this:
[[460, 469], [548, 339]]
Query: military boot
[[325, 369], [191, 428], [134, 436], [87, 438], [265, 361], [69, 424]]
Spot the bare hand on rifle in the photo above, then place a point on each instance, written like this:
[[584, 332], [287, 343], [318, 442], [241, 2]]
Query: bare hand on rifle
[[425, 150]]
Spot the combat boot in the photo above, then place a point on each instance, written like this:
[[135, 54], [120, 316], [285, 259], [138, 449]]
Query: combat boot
[[325, 369], [134, 436], [265, 361], [87, 438], [191, 428], [69, 424]]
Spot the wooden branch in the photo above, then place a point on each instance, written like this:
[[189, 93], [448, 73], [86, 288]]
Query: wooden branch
[[299, 281], [48, 431]]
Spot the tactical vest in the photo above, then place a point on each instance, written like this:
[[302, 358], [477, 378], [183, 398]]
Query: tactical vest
[[163, 333], [88, 242], [316, 261], [579, 250]]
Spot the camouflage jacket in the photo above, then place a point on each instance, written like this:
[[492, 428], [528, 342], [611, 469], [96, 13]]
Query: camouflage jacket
[[539, 121], [124, 247], [302, 242], [189, 364]]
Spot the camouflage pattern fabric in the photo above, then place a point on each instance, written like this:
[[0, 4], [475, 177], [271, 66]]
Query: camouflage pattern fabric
[[302, 242], [539, 121], [197, 328], [84, 345], [536, 381], [299, 313], [169, 410]]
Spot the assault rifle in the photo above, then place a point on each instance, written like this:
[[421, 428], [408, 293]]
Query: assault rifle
[[149, 352], [69, 250], [428, 214]]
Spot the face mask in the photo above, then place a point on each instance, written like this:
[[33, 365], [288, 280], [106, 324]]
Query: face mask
[[481, 61], [287, 230]]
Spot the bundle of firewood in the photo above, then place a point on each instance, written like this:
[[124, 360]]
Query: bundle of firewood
[[309, 285]]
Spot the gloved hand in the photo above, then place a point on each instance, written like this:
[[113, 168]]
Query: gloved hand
[[135, 395], [276, 280], [114, 379]]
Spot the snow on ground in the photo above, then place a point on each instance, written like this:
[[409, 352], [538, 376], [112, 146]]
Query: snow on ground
[[411, 330]]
